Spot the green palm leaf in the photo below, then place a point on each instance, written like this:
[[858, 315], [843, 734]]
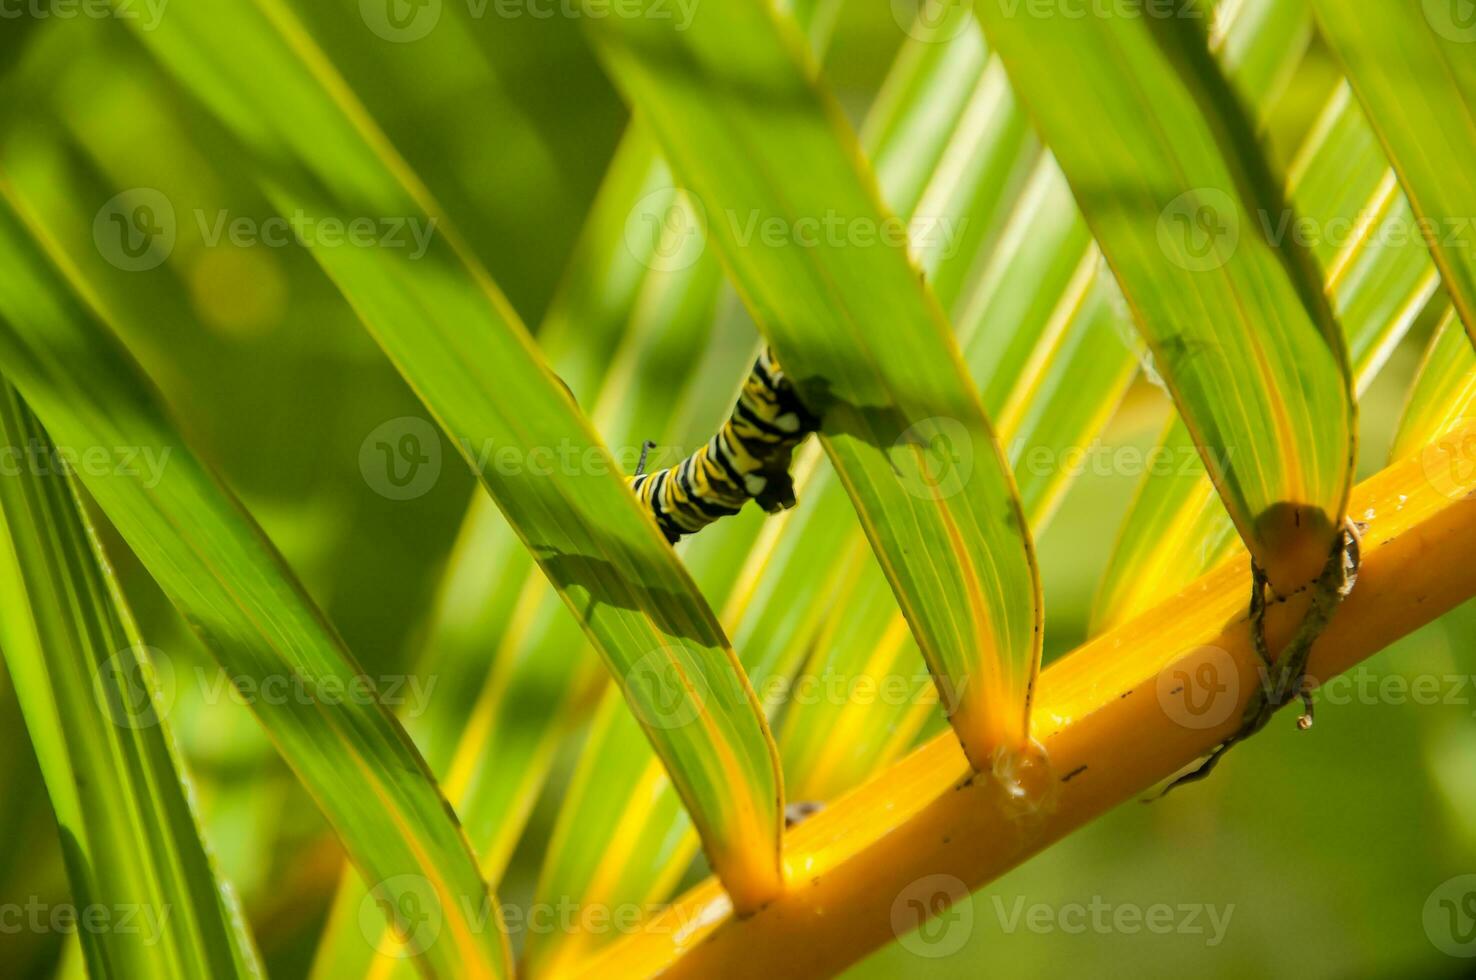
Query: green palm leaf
[[1442, 396], [232, 586], [96, 713], [620, 327], [450, 332], [1379, 278], [1413, 69], [490, 736], [866, 342], [1165, 164], [1045, 332], [620, 840]]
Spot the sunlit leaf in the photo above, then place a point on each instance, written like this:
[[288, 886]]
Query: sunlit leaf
[[1413, 67], [1443, 394], [1378, 276], [1046, 335], [232, 586], [948, 137], [450, 332], [1163, 158], [96, 711], [824, 271]]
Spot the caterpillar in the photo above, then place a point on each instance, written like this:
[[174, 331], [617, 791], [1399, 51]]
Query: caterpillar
[[748, 459]]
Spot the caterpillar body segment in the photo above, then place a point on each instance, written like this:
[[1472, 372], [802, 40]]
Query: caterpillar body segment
[[748, 459]]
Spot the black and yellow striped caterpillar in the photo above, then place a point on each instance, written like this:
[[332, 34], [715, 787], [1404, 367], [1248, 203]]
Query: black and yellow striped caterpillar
[[748, 459]]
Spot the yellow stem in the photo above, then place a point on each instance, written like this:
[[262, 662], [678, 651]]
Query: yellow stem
[[1118, 716]]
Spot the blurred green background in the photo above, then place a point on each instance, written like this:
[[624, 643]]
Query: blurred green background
[[1321, 848]]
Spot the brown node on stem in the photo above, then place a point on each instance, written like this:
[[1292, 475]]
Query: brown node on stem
[[1291, 542]]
